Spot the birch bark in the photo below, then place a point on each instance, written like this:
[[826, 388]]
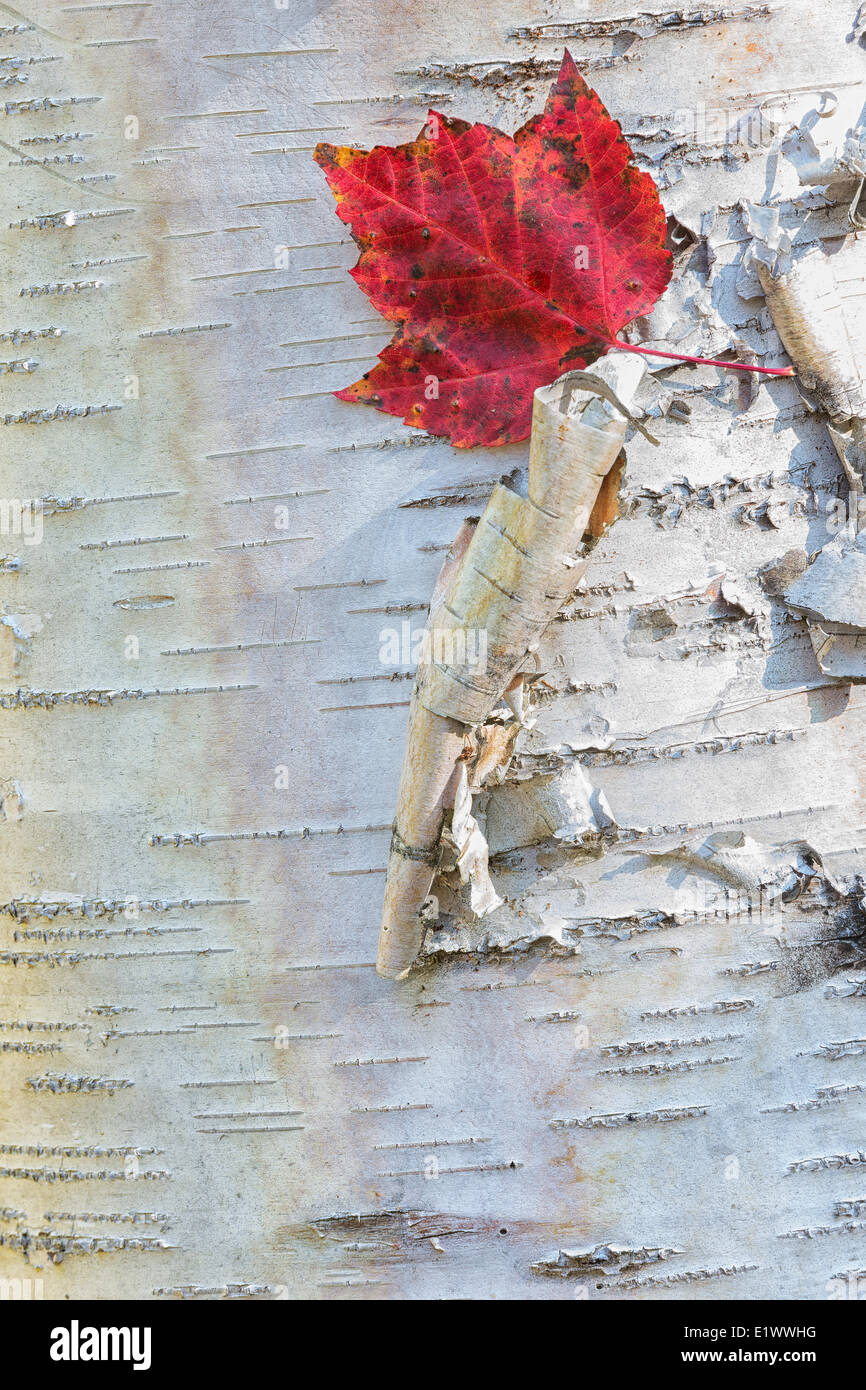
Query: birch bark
[[641, 1076]]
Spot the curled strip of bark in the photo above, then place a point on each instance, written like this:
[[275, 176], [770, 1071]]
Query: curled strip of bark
[[519, 566], [505, 578], [803, 299], [808, 316], [427, 785]]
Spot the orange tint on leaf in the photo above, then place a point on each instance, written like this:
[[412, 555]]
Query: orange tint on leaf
[[502, 262]]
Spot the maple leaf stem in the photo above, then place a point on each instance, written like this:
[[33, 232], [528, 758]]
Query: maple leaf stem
[[704, 361]]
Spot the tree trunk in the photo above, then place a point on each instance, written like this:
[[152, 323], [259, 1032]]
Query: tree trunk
[[652, 1046]]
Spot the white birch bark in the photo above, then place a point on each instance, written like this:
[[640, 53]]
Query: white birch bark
[[643, 1072]]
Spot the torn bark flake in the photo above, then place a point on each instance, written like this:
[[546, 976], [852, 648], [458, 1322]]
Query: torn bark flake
[[833, 588], [644, 23], [471, 850], [499, 72], [602, 1260], [846, 167], [631, 968]]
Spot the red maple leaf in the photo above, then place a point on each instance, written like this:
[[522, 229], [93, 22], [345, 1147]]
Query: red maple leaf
[[503, 262]]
